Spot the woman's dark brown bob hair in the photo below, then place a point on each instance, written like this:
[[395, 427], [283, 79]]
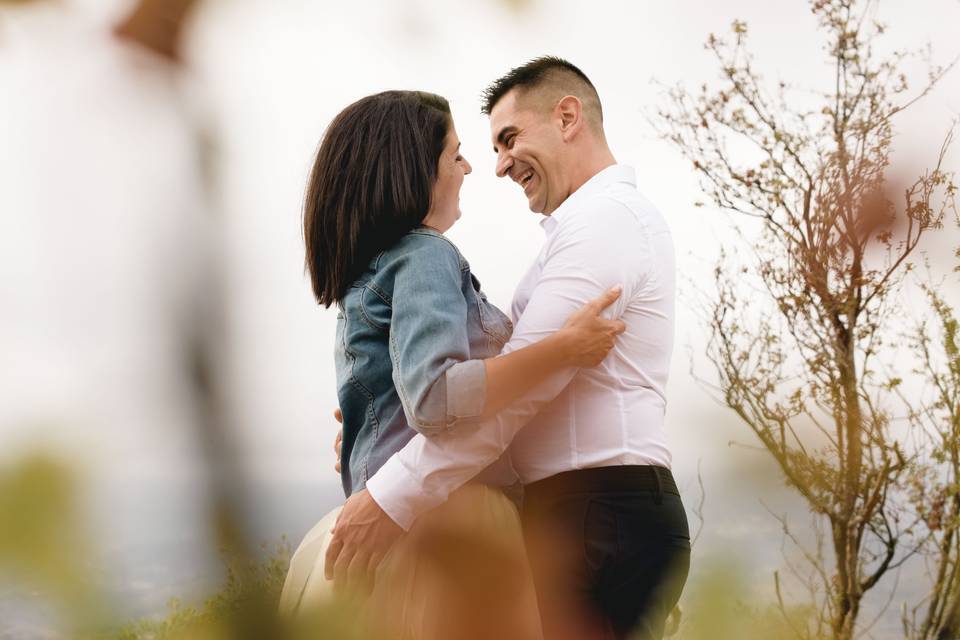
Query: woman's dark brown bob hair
[[371, 184]]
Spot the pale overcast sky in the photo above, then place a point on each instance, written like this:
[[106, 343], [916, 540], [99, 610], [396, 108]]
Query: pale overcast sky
[[280, 70]]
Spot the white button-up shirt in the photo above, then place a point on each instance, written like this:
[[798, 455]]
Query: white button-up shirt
[[604, 234]]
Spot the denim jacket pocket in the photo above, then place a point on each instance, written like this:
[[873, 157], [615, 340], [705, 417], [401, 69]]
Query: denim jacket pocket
[[374, 310], [493, 321]]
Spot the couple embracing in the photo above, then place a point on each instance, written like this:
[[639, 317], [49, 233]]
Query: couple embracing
[[537, 443]]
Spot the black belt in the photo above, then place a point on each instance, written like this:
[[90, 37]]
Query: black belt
[[603, 480]]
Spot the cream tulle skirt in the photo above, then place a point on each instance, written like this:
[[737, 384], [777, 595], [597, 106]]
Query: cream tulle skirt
[[461, 572]]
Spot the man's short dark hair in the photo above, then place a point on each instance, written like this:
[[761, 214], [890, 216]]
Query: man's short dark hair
[[538, 73]]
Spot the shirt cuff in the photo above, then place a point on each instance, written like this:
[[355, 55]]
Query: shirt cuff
[[400, 493], [466, 388]]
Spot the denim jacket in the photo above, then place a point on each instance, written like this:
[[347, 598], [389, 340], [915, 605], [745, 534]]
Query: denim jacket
[[412, 334]]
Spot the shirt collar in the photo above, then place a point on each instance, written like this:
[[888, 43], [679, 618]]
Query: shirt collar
[[601, 180]]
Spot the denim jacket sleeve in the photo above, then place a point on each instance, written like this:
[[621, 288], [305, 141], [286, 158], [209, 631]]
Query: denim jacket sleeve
[[438, 384]]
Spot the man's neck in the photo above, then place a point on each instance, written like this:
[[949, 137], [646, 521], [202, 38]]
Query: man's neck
[[590, 164]]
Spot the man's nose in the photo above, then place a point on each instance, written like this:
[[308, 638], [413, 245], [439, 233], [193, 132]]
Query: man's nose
[[504, 162]]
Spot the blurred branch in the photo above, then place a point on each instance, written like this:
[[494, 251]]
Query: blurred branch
[[157, 25], [698, 510]]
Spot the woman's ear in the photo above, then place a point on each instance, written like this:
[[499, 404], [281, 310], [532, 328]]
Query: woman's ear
[[569, 112]]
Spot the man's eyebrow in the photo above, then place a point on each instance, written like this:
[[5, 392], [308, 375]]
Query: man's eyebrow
[[504, 133]]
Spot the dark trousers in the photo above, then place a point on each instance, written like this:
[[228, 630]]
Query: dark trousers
[[610, 551]]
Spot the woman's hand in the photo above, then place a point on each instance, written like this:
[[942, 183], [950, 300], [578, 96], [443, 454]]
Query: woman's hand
[[587, 337]]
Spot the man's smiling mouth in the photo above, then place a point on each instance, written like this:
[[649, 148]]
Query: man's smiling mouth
[[525, 178]]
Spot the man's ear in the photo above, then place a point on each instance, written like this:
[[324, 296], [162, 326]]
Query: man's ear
[[569, 112]]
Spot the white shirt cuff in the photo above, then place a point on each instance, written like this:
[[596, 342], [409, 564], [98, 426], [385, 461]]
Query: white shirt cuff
[[400, 493]]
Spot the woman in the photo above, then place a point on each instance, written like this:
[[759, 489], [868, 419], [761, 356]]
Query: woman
[[417, 349]]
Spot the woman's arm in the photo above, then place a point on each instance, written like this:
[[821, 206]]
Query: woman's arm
[[438, 383], [429, 340], [584, 341]]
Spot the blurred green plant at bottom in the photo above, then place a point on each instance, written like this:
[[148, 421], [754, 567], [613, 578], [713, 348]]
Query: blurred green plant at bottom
[[249, 598], [253, 598], [42, 543], [717, 605], [44, 547]]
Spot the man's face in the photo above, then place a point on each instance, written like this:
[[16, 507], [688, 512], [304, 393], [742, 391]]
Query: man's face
[[529, 148]]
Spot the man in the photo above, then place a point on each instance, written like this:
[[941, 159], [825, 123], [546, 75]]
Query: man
[[606, 530]]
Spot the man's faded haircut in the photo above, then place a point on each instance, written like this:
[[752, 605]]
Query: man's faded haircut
[[550, 78]]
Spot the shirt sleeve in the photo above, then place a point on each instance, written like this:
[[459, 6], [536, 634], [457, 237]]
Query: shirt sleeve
[[438, 384], [581, 260]]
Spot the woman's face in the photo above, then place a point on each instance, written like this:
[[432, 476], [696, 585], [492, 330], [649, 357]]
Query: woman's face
[[445, 203]]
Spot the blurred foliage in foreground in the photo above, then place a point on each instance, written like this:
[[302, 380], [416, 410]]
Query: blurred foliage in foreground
[[42, 546], [717, 605], [250, 586]]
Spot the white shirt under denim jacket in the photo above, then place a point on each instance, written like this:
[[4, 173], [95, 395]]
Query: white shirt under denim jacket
[[412, 329], [604, 234]]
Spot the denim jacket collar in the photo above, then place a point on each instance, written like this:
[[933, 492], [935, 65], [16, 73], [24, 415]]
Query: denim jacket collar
[[427, 231]]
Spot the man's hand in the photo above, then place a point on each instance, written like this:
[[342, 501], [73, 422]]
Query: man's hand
[[361, 538]]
